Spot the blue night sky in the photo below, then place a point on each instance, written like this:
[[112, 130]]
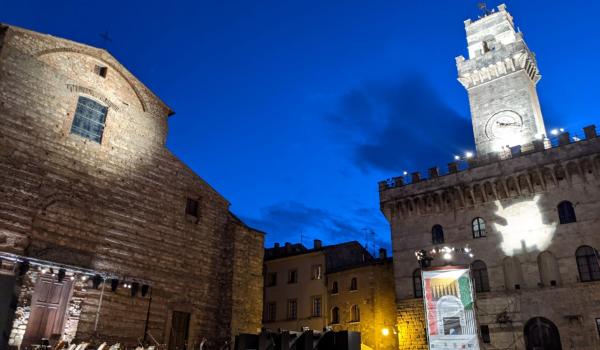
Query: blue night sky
[[293, 110]]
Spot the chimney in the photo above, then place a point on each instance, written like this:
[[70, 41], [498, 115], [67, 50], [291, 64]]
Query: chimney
[[564, 138], [538, 145], [453, 167], [434, 172], [590, 132], [317, 244], [398, 181], [276, 245], [382, 254], [416, 177], [288, 247]]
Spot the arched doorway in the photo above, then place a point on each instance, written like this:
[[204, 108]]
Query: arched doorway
[[541, 334]]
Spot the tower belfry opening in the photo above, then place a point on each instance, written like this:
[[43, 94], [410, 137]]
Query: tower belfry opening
[[500, 76]]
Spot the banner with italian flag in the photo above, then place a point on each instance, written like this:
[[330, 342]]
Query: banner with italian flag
[[449, 307]]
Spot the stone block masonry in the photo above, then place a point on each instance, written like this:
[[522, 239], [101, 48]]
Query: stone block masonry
[[118, 206]]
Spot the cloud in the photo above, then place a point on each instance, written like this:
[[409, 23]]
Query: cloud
[[288, 220], [401, 125]]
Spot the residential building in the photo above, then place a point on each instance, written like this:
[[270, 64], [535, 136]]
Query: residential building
[[338, 287]]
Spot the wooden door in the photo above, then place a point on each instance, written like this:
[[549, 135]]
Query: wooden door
[[180, 325], [541, 334], [48, 306]]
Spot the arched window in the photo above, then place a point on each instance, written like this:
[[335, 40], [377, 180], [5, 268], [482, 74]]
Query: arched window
[[353, 284], [513, 274], [548, 268], [480, 276], [437, 234], [335, 315], [587, 263], [566, 212], [478, 227], [334, 287], [417, 284], [354, 313], [541, 333]]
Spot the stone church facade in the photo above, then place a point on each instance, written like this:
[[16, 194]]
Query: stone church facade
[[87, 187], [528, 206]]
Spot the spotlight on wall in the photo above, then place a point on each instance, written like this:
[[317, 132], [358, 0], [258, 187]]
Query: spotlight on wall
[[61, 275], [114, 284], [135, 287], [23, 267], [96, 280], [145, 289]]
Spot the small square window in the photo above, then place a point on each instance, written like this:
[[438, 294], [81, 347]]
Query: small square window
[[485, 333], [191, 207], [101, 70]]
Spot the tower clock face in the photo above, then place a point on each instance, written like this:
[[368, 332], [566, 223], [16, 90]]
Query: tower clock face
[[504, 125]]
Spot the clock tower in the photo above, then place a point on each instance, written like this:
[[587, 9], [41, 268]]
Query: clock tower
[[500, 76]]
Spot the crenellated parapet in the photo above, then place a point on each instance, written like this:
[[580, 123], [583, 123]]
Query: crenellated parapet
[[504, 60], [491, 178]]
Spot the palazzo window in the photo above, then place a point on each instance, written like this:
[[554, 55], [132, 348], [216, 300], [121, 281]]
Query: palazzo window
[[478, 226], [480, 276], [334, 287], [191, 207], [271, 312], [587, 264], [335, 315], [316, 272], [316, 303], [271, 279], [292, 309], [293, 276], [566, 212], [353, 284], [437, 234], [89, 120], [354, 313]]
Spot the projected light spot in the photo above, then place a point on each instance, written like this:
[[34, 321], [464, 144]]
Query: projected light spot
[[523, 228]]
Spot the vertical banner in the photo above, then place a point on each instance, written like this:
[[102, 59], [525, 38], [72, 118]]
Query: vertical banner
[[449, 308]]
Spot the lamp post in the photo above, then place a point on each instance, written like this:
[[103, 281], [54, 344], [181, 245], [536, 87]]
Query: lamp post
[[425, 257]]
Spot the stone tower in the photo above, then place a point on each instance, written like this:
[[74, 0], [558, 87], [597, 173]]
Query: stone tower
[[500, 76]]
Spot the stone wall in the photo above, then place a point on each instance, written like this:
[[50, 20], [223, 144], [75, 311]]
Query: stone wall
[[411, 325], [517, 198], [117, 206]]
